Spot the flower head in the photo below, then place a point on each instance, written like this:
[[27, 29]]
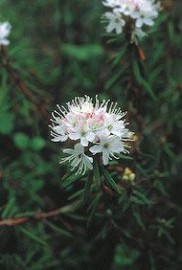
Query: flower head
[[137, 13], [5, 29], [94, 128]]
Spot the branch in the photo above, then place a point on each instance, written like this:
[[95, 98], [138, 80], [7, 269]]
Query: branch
[[15, 76], [40, 216]]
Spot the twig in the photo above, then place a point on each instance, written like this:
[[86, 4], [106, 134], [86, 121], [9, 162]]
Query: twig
[[40, 216]]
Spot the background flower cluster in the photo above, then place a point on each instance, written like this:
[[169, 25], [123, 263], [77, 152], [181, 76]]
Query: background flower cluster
[[135, 14]]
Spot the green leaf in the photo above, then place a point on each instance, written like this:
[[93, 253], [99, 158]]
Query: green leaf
[[68, 180], [32, 236], [82, 52], [21, 141], [97, 178], [88, 186], [146, 85], [115, 77], [117, 59], [58, 230], [76, 195], [124, 156], [37, 143], [138, 218], [110, 181], [140, 198], [125, 256], [93, 207], [10, 209]]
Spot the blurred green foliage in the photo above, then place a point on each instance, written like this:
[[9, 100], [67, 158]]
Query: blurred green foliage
[[59, 51]]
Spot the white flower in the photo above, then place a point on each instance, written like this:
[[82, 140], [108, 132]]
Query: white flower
[[111, 3], [5, 29], [78, 159], [144, 14], [115, 22], [139, 33], [81, 132], [126, 7], [90, 126], [136, 13], [108, 146], [59, 134]]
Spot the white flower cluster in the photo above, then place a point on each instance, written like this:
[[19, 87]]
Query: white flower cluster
[[94, 128], [5, 29], [136, 12]]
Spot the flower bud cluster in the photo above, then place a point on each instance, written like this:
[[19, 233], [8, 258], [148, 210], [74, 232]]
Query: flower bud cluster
[[133, 13], [94, 128]]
